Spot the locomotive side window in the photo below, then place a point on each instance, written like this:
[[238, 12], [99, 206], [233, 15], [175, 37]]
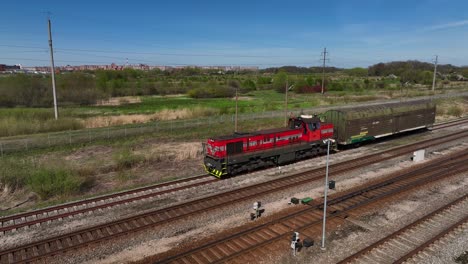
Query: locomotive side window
[[297, 124], [314, 126]]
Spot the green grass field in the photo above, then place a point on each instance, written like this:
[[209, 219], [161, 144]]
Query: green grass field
[[257, 101], [22, 120]]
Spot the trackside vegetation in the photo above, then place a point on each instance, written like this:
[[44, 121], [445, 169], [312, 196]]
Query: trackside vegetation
[[45, 181]]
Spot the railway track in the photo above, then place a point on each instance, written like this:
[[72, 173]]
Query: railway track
[[80, 238], [451, 123], [273, 236], [45, 215], [405, 244]]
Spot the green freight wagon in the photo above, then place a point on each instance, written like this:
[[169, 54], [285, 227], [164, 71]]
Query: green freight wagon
[[359, 124]]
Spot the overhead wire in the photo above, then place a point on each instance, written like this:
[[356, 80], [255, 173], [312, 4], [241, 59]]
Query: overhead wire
[[171, 63], [158, 53]]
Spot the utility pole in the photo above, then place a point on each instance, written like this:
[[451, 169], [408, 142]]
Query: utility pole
[[52, 69], [286, 88], [324, 53], [235, 121], [435, 72], [322, 247]]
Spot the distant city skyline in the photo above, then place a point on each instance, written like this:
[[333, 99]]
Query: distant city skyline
[[145, 67], [243, 33]]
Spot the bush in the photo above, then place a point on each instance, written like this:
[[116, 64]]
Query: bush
[[455, 110], [212, 92], [125, 159], [14, 173], [48, 183], [248, 85]]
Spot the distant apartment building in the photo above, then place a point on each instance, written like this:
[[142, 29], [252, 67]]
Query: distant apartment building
[[116, 67], [4, 67]]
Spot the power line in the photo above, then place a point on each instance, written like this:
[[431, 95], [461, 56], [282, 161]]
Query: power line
[[170, 63], [158, 53], [435, 72]]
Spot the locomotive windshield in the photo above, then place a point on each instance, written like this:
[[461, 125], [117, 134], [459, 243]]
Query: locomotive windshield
[[295, 123]]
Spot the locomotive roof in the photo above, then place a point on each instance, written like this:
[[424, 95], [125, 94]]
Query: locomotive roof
[[251, 134]]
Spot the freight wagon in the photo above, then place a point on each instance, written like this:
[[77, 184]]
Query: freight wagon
[[359, 124]]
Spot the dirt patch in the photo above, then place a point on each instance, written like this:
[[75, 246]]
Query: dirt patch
[[119, 101], [244, 98], [89, 152], [162, 115], [17, 199], [105, 121], [172, 151]]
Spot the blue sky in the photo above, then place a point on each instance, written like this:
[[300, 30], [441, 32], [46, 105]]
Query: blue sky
[[251, 33]]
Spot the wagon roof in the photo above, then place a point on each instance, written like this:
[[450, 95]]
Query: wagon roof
[[383, 109]]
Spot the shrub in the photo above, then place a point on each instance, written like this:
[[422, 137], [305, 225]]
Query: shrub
[[248, 85], [48, 183], [455, 110], [212, 92], [125, 159], [14, 173]]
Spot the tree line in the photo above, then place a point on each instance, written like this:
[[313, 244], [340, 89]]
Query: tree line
[[87, 87]]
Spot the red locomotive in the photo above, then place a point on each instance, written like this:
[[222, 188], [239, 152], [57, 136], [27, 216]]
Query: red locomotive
[[304, 137]]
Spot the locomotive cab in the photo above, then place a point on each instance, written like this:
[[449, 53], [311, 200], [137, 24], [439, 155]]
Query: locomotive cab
[[312, 124], [313, 128]]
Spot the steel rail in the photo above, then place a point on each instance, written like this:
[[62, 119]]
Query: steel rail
[[389, 187], [83, 237], [382, 241], [70, 207]]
